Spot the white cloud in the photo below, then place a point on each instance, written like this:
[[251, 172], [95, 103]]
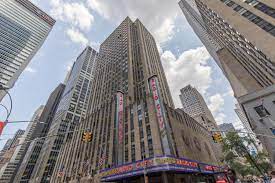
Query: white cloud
[[220, 118], [76, 14], [95, 45], [158, 16], [216, 103], [69, 66], [30, 70], [76, 36], [190, 68], [230, 92]]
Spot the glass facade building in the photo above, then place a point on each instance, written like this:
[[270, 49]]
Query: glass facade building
[[11, 168], [27, 165], [71, 110], [23, 29]]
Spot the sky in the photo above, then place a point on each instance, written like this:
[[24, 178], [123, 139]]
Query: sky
[[89, 22]]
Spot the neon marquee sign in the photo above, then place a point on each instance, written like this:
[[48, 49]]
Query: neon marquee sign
[[158, 164]]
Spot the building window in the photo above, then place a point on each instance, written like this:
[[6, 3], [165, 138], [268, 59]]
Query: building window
[[133, 153], [142, 147], [126, 155], [268, 27], [261, 110], [132, 136], [150, 147]]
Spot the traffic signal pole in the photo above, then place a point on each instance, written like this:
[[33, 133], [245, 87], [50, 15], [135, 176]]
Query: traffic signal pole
[[244, 148]]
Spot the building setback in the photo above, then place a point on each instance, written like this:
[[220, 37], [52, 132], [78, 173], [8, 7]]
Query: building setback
[[71, 110], [127, 112], [240, 36], [195, 106], [26, 167], [23, 29], [11, 169]]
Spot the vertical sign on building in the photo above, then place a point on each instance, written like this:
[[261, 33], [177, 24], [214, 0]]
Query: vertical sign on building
[[161, 116], [120, 124]]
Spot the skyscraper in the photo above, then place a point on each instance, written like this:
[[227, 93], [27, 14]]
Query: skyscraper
[[228, 29], [194, 105], [71, 110], [245, 34], [8, 150], [26, 167], [131, 116], [23, 29], [243, 119], [227, 127], [11, 169]]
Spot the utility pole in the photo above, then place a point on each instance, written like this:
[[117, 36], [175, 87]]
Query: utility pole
[[146, 179]]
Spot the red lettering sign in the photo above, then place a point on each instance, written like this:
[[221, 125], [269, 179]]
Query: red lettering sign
[[120, 117]]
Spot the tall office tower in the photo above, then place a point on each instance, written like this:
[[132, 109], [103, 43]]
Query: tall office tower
[[26, 167], [8, 150], [131, 117], [11, 169], [247, 61], [71, 110], [195, 19], [227, 127], [23, 29], [244, 121], [245, 34], [194, 105]]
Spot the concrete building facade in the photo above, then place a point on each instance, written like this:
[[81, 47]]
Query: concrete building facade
[[71, 110], [9, 172], [129, 105], [27, 166], [245, 33], [229, 29], [259, 107], [195, 106], [23, 29]]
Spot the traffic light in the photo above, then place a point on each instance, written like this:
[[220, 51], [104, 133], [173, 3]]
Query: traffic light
[[217, 137], [87, 137]]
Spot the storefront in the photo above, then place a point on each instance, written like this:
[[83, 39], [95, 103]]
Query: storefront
[[163, 169]]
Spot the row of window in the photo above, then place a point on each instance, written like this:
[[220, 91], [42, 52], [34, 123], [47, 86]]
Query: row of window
[[247, 55], [260, 22], [262, 7]]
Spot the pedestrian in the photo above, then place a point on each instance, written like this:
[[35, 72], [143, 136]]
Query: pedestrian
[[221, 179], [272, 176], [232, 176]]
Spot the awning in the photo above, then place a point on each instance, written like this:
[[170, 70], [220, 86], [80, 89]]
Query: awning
[[158, 164]]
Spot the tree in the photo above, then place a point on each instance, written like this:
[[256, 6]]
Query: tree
[[237, 156]]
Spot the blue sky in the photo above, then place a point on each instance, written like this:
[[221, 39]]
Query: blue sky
[[82, 22]]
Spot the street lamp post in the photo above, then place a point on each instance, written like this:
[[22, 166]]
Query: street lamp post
[[146, 180]]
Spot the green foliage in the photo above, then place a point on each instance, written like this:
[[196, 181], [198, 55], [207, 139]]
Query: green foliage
[[237, 156]]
